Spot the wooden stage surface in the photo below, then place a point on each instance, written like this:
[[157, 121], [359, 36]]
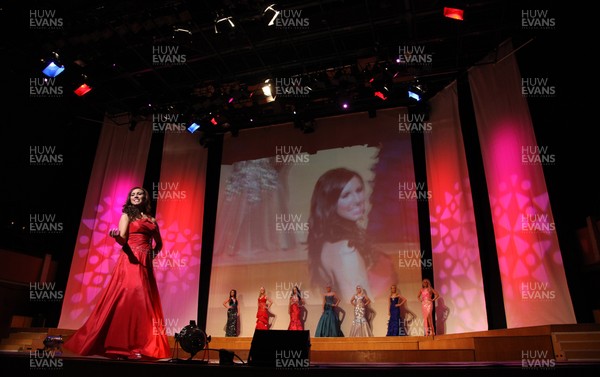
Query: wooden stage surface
[[548, 349]]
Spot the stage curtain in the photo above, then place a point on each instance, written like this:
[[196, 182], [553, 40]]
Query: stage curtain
[[456, 263], [533, 279], [180, 208], [120, 164]]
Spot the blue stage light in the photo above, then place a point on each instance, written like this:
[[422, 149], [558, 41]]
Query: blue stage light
[[193, 127], [53, 70]]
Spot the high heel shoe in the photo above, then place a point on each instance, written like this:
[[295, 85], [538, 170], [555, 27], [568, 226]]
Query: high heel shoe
[[135, 356]]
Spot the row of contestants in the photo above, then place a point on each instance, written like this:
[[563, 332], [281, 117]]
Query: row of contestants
[[329, 323]]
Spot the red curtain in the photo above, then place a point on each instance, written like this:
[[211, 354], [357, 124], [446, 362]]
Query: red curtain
[[180, 208]]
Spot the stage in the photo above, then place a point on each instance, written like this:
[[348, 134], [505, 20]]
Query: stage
[[550, 349]]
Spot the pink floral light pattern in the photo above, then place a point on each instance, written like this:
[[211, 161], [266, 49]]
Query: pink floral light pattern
[[456, 261], [534, 284]]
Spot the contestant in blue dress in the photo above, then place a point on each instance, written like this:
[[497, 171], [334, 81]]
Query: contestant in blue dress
[[395, 324], [329, 323]]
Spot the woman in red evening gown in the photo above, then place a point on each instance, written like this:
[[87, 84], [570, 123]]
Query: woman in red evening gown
[[127, 321], [262, 315], [295, 310]]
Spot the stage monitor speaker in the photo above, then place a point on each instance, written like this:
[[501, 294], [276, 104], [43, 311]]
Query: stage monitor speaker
[[288, 349], [225, 357]]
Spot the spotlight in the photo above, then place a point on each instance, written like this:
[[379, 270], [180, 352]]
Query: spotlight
[[53, 66], [193, 127], [414, 95], [380, 95], [454, 13], [416, 91], [82, 89], [53, 70], [271, 13], [192, 339], [266, 89], [53, 343], [182, 36], [223, 23]]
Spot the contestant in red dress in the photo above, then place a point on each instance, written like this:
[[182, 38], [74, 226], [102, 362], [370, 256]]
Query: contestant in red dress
[[127, 321], [262, 315], [295, 310]]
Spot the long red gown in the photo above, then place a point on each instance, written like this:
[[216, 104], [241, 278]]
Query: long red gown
[[262, 315], [295, 314], [128, 320]]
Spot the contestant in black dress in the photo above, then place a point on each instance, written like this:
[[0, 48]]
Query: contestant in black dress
[[231, 328]]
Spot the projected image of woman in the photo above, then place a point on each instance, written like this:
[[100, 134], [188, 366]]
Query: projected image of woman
[[338, 250]]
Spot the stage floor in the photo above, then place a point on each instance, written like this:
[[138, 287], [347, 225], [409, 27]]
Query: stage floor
[[551, 350], [19, 364]]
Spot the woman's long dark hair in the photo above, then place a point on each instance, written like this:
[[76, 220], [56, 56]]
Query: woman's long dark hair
[[133, 211], [298, 293], [325, 225]]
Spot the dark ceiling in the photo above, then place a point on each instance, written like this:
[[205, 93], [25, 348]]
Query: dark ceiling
[[158, 56]]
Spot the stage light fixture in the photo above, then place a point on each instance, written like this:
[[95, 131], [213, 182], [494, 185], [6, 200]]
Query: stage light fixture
[[182, 36], [380, 95], [416, 91], [193, 127], [83, 88], [192, 339], [414, 95], [53, 66], [53, 70], [266, 88], [223, 23], [454, 13], [271, 13], [53, 343], [268, 91]]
